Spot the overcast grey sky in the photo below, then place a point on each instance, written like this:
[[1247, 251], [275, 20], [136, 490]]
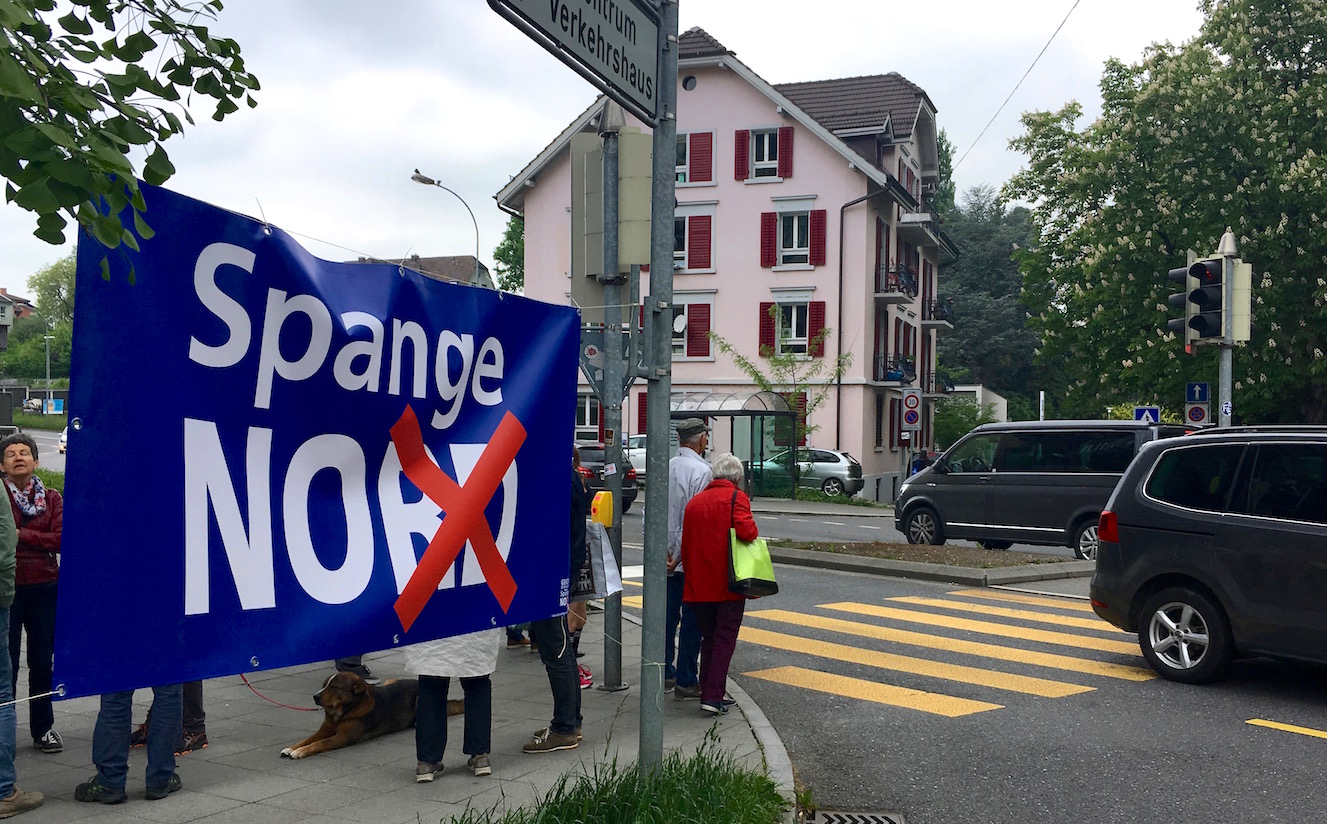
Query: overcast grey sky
[[356, 96]]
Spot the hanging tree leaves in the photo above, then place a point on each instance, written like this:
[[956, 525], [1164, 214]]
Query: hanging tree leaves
[[1223, 131], [80, 92]]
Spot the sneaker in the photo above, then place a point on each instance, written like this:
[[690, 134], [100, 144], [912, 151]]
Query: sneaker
[[587, 678], [547, 741], [138, 738], [690, 693], [517, 643], [425, 771], [479, 765], [714, 709], [191, 741], [669, 684], [173, 785], [579, 735], [534, 648], [20, 802], [94, 790], [50, 742]]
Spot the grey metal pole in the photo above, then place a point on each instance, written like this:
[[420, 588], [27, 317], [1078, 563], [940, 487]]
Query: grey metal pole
[[611, 399], [1226, 360], [659, 359]]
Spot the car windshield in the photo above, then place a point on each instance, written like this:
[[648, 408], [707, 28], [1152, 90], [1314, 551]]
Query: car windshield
[[589, 455]]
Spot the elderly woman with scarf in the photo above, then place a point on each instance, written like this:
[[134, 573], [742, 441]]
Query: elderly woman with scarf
[[39, 513]]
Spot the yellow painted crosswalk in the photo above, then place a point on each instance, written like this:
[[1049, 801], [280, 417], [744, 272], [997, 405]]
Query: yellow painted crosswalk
[[967, 651]]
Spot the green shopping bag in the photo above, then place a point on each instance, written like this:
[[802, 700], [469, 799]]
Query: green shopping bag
[[750, 570]]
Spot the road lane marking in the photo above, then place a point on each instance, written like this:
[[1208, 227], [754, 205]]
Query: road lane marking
[[920, 639], [629, 583], [799, 520], [636, 601], [633, 571], [1309, 731], [864, 526], [833, 523], [1019, 614], [1032, 600], [1044, 636], [930, 702], [1027, 684]]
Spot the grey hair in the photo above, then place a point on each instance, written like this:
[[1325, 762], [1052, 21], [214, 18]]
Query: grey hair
[[728, 467]]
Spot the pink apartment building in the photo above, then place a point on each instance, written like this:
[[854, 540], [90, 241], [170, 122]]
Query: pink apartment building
[[810, 196]]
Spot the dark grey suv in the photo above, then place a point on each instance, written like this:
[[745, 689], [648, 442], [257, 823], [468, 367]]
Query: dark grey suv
[[1215, 545]]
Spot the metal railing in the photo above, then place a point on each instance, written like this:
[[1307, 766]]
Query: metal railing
[[893, 368], [937, 309], [936, 383], [897, 279]]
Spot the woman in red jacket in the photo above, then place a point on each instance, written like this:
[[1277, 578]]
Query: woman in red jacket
[[705, 525], [39, 513]]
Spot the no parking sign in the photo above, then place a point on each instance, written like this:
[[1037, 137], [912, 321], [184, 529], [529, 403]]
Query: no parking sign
[[912, 410]]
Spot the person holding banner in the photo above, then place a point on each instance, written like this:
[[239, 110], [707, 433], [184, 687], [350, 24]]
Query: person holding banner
[[110, 746], [472, 658], [688, 474], [554, 640], [39, 513], [721, 506], [12, 800]]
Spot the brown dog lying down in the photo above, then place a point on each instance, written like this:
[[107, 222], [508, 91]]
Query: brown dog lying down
[[354, 711]]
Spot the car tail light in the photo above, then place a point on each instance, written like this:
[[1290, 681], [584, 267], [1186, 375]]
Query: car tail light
[[585, 472], [631, 474], [1108, 528]]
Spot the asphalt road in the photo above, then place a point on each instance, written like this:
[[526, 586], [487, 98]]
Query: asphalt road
[[947, 704], [48, 452]]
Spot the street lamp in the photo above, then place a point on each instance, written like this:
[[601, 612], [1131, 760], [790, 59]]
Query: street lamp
[[428, 181]]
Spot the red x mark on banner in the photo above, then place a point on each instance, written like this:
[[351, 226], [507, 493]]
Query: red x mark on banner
[[464, 506]]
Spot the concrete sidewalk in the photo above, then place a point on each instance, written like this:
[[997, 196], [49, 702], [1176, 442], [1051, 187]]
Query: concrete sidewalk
[[240, 778]]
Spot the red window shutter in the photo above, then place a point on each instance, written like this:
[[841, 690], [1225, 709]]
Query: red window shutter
[[769, 239], [785, 151], [801, 417], [901, 176], [698, 242], [898, 336], [601, 424], [766, 325], [742, 154], [818, 228], [645, 267], [642, 315], [698, 330], [640, 411], [700, 157], [893, 423], [815, 324], [879, 242]]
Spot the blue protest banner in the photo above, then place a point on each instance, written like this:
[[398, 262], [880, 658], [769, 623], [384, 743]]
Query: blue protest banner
[[276, 459]]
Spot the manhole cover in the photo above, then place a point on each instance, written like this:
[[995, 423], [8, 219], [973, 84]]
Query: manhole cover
[[846, 817]]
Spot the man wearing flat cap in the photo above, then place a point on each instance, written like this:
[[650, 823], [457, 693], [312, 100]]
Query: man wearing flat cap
[[688, 473]]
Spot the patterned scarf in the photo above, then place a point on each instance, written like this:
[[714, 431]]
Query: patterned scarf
[[31, 501]]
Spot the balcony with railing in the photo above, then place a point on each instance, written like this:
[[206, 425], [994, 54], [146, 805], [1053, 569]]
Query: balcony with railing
[[895, 284], [895, 369], [936, 383], [937, 313]]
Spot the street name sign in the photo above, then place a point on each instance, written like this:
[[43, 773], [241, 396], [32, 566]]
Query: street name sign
[[614, 44], [1151, 414]]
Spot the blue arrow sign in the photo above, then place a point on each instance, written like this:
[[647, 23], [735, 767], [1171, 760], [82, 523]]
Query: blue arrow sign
[[1195, 393], [1151, 414]]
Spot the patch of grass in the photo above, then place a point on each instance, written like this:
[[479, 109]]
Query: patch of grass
[[705, 786], [51, 479], [947, 554], [33, 420], [817, 495]]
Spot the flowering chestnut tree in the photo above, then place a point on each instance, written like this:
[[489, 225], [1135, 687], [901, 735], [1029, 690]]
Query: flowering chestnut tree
[[1224, 131]]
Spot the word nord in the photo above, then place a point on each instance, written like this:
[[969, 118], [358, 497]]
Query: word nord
[[458, 369]]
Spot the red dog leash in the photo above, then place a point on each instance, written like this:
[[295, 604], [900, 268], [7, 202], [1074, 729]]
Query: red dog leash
[[278, 703]]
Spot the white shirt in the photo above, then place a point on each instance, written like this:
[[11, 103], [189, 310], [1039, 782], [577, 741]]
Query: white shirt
[[688, 473]]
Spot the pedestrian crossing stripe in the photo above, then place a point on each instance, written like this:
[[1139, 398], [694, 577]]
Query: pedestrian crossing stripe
[[1019, 614], [916, 666], [1031, 600], [1066, 639], [862, 690], [1049, 660]]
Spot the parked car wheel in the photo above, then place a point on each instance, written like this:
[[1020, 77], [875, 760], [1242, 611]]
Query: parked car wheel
[[1085, 541], [923, 527], [832, 487], [1184, 636], [995, 544]]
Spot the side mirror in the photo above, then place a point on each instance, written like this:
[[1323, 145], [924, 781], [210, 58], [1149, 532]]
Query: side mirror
[[940, 467]]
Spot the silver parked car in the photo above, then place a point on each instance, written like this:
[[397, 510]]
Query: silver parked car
[[832, 472]]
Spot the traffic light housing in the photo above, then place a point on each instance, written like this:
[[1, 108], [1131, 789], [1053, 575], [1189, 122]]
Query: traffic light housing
[[1180, 300], [1205, 314]]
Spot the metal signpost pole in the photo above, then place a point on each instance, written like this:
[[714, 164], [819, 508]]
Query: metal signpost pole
[[1225, 366], [659, 357], [610, 400]]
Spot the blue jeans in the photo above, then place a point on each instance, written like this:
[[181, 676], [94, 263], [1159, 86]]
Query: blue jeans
[[431, 717], [555, 650], [688, 644], [110, 736], [8, 717]]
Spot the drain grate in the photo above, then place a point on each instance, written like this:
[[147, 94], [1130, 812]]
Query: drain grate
[[847, 817]]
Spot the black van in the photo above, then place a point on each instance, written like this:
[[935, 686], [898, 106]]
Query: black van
[[1026, 482]]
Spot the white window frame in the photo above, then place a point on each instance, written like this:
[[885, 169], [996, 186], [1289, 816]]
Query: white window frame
[[794, 313], [680, 255], [682, 173], [762, 141], [587, 417], [681, 300], [693, 209], [790, 251]]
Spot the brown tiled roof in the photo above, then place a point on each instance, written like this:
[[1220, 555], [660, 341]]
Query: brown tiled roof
[[859, 102], [696, 42]]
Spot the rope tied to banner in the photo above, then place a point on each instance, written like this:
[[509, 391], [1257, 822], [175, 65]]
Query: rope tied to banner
[[59, 692]]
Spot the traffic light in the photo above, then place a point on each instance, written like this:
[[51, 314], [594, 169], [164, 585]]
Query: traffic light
[[1207, 298], [1180, 300]]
